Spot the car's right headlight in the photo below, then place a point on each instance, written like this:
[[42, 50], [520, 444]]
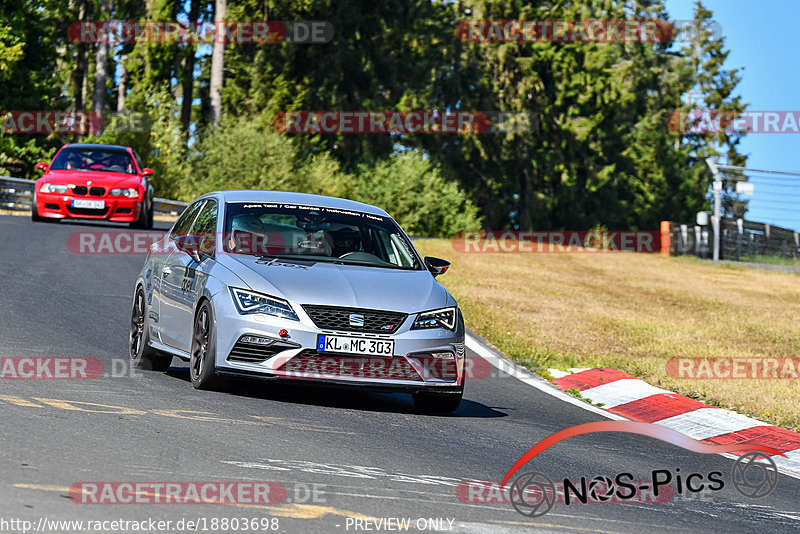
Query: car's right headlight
[[250, 302], [53, 188], [441, 318]]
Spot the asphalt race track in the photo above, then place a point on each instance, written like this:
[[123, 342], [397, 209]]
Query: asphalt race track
[[341, 455]]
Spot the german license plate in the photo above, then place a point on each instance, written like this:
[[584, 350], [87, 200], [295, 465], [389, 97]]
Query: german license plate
[[90, 204], [355, 345]]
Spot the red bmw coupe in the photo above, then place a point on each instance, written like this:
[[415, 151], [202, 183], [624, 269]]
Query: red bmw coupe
[[85, 181]]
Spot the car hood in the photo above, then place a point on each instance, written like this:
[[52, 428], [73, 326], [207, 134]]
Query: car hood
[[105, 179], [329, 284]]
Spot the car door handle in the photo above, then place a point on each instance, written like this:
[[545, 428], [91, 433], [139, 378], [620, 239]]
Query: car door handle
[[166, 270]]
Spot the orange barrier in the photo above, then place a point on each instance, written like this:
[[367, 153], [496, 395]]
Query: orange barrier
[[666, 238]]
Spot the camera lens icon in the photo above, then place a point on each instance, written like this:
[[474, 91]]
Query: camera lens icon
[[754, 475], [532, 494]]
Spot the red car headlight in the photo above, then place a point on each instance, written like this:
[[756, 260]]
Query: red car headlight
[[53, 188], [130, 193]]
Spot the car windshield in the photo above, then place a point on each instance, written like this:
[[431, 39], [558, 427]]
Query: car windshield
[[104, 160], [290, 231]]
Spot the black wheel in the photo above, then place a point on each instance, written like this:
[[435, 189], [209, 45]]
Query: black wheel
[[202, 369], [149, 225], [439, 403], [145, 220], [142, 355], [34, 212]]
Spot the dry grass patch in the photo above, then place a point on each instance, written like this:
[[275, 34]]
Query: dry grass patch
[[634, 312]]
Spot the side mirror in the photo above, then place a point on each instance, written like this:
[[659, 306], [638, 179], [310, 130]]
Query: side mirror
[[147, 172], [41, 166], [436, 266], [189, 245]]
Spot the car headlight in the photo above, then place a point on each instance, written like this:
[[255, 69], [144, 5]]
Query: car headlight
[[441, 318], [250, 302], [53, 188], [130, 193]]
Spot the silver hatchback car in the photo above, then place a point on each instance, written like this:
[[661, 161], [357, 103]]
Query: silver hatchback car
[[291, 286]]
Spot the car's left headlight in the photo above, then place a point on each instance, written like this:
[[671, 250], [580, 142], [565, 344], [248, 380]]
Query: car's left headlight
[[250, 302], [130, 193], [441, 318]]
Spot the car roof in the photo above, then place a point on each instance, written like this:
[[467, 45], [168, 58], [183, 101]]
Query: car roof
[[289, 197], [95, 146]]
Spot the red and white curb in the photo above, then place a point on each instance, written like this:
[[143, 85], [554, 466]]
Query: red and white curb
[[639, 401], [623, 395]]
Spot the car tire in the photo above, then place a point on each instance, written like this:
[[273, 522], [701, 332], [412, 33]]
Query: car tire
[[35, 217], [438, 403], [202, 369], [149, 225], [143, 356], [145, 218]]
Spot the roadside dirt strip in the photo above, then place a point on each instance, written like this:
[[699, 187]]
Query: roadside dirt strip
[[626, 396]]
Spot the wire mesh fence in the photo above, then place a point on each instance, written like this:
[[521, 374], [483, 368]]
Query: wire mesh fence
[[738, 239]]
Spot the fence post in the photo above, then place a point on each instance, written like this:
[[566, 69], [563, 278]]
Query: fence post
[[684, 238], [666, 238], [739, 234], [697, 244]]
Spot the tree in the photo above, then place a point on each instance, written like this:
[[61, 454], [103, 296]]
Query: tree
[[101, 60], [716, 86], [217, 62], [81, 63], [187, 74]]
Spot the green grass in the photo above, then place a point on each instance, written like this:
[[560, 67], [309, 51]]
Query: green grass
[[771, 260]]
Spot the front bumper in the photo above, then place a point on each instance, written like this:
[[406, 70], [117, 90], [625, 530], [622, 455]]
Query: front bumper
[[423, 360], [59, 206]]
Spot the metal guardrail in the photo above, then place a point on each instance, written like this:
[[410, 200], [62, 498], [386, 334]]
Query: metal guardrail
[[16, 194]]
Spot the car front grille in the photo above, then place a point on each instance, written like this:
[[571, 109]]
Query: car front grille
[[97, 191], [257, 352], [79, 190], [350, 319], [311, 364]]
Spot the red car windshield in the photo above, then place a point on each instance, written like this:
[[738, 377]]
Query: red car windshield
[[94, 160]]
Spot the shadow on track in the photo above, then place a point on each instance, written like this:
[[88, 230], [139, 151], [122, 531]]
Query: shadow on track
[[332, 396], [158, 226]]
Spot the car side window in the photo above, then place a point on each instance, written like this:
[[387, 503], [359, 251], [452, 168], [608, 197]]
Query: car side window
[[138, 161], [205, 227], [185, 221]]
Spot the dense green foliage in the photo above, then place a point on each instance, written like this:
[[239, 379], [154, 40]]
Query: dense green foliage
[[600, 151]]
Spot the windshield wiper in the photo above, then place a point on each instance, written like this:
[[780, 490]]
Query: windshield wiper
[[269, 258]]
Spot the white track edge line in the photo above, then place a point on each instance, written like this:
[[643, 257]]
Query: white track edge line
[[519, 372]]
